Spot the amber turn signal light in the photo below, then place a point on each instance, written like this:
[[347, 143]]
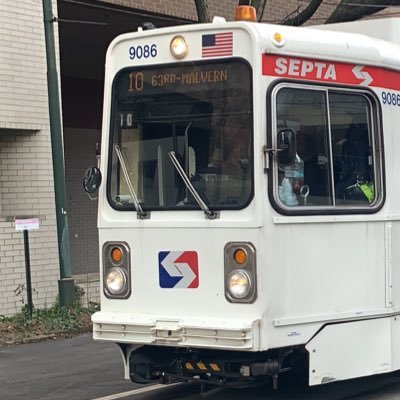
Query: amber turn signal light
[[116, 254], [240, 256]]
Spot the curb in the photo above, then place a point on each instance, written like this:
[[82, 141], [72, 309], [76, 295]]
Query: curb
[[52, 336]]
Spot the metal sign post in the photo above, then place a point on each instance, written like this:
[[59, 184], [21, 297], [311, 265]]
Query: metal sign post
[[26, 225]]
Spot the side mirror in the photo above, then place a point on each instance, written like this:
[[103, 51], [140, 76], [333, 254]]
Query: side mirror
[[92, 179], [286, 147]]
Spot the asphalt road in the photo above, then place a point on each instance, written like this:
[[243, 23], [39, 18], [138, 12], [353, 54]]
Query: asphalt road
[[81, 369], [75, 369]]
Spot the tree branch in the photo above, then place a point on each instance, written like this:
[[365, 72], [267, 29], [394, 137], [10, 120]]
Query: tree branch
[[259, 5], [202, 10], [347, 10], [305, 15]]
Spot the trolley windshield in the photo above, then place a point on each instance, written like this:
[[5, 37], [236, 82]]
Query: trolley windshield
[[201, 113]]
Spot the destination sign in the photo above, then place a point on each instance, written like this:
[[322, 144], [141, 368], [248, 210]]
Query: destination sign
[[162, 92], [142, 81]]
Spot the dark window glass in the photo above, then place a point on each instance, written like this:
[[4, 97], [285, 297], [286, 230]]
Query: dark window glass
[[203, 113], [335, 164]]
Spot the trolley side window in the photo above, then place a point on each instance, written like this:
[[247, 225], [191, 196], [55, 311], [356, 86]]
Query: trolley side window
[[337, 149]]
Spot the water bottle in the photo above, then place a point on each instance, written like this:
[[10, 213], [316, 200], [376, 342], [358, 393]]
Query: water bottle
[[286, 193], [295, 174]]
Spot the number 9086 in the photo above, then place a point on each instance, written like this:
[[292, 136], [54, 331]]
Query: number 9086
[[146, 51], [391, 98]]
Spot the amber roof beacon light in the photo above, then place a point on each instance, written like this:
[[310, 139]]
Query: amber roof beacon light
[[245, 13]]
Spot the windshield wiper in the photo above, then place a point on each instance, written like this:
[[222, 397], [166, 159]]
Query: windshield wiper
[[209, 213], [140, 213]]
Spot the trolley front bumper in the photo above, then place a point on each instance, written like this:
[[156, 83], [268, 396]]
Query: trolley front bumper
[[230, 334]]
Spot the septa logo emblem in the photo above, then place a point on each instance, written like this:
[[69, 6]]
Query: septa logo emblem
[[178, 269]]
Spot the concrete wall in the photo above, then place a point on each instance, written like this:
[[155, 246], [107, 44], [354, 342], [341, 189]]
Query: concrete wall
[[26, 180]]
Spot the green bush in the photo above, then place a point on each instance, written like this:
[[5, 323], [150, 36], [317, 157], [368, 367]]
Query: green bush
[[53, 320]]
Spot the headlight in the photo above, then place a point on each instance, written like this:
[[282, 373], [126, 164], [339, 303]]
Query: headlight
[[239, 284], [178, 47], [240, 273], [116, 270], [115, 281]]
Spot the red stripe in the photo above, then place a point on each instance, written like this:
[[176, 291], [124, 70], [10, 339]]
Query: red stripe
[[217, 50], [327, 71], [204, 55], [224, 41], [228, 34], [224, 47]]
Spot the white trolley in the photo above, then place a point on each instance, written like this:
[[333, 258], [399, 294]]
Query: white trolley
[[249, 215]]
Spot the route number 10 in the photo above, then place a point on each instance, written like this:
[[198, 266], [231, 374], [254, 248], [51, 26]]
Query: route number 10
[[126, 120], [136, 81]]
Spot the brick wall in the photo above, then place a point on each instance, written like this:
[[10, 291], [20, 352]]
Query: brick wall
[[26, 177], [275, 11], [89, 283]]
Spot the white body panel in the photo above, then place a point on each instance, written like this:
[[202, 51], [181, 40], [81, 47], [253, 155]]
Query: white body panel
[[311, 270], [341, 349], [368, 347]]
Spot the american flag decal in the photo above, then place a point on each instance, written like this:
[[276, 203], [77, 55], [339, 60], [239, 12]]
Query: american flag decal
[[217, 44]]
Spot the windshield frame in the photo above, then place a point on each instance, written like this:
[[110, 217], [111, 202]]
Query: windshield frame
[[111, 133]]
